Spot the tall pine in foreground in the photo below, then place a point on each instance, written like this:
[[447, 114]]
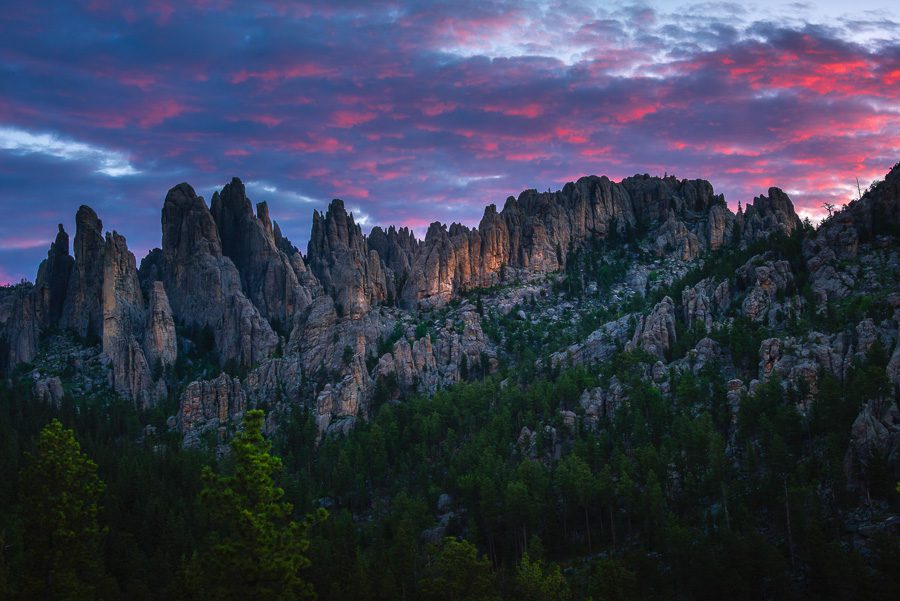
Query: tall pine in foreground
[[61, 537], [255, 550]]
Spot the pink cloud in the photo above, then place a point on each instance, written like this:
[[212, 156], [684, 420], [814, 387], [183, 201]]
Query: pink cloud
[[347, 119], [5, 278], [158, 112], [274, 74], [433, 108], [348, 190], [323, 144], [21, 243], [267, 120], [530, 110]]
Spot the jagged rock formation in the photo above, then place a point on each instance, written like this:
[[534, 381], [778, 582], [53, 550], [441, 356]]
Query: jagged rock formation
[[21, 328], [52, 281], [767, 215], [204, 286], [397, 249], [797, 361], [212, 404], [766, 281], [340, 258], [207, 405], [656, 333], [160, 343], [102, 299], [875, 215], [874, 436], [48, 390], [600, 345], [123, 323], [83, 313], [458, 350], [269, 278], [705, 302], [325, 333], [535, 231]]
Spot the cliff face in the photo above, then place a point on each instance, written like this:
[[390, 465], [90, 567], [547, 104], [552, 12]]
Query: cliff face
[[535, 232], [874, 216], [340, 258], [204, 286], [124, 322], [269, 277], [52, 281], [83, 313], [339, 327], [97, 296], [768, 214], [160, 343]]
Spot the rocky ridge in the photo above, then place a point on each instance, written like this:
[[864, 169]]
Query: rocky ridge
[[368, 319]]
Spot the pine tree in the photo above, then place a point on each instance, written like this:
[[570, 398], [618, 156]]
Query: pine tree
[[255, 549], [4, 569], [576, 483], [61, 536], [456, 573], [538, 581]]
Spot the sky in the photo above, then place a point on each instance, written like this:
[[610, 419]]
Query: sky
[[413, 112]]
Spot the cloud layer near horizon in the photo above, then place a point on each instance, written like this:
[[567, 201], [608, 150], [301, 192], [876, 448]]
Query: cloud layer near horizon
[[415, 112]]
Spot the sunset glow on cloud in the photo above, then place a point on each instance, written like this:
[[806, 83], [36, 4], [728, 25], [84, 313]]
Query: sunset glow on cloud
[[414, 112]]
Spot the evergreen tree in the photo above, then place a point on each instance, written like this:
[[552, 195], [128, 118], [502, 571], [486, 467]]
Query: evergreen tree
[[4, 569], [612, 581], [61, 536], [576, 483], [456, 573], [255, 549], [538, 581]]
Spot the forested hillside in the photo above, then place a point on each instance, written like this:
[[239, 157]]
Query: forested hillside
[[692, 405]]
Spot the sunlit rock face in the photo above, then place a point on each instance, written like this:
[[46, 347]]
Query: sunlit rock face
[[535, 232]]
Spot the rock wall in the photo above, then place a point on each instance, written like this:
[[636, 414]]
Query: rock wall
[[204, 286], [269, 278], [83, 312], [340, 258], [536, 231], [230, 268]]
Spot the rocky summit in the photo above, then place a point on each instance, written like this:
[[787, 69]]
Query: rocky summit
[[387, 315], [694, 353]]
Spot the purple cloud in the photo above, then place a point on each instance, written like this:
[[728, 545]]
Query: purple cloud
[[413, 112]]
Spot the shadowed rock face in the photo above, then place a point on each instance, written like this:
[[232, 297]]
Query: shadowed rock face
[[767, 215], [340, 258], [838, 239], [21, 329], [269, 278], [123, 323], [397, 249], [203, 285], [97, 294], [83, 312], [52, 281]]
